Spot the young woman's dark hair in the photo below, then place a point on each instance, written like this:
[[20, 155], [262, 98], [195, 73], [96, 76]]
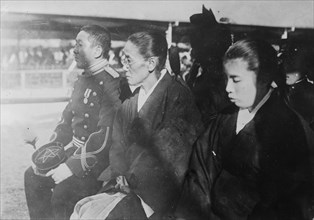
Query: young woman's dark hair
[[99, 36], [260, 56], [151, 44]]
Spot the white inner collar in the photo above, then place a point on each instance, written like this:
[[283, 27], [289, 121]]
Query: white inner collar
[[142, 96], [244, 116]]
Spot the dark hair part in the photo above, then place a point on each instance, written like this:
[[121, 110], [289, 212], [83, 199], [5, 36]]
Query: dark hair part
[[99, 36], [151, 44], [260, 56]]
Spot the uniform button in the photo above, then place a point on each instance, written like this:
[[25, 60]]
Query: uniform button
[[91, 104], [85, 126], [94, 93], [83, 138], [73, 112], [72, 119], [101, 82], [86, 115], [70, 100]]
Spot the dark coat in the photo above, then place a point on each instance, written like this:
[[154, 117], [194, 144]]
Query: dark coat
[[151, 148], [300, 97], [87, 121], [263, 172]]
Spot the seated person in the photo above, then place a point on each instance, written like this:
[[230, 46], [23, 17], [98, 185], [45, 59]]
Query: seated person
[[253, 161], [85, 128], [299, 92], [152, 139]]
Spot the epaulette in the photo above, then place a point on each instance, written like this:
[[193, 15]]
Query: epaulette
[[111, 71]]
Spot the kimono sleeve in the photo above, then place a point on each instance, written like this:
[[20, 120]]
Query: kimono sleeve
[[195, 201], [181, 126]]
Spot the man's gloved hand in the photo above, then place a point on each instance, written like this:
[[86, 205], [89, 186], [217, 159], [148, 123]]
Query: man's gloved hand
[[60, 173]]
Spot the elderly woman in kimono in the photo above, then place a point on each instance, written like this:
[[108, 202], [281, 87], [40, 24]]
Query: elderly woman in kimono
[[153, 135], [253, 160]]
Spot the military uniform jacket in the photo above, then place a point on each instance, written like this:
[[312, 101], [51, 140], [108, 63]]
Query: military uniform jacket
[[263, 172], [87, 121], [151, 148]]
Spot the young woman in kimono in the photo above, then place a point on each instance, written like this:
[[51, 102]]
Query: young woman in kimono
[[152, 139], [253, 161]]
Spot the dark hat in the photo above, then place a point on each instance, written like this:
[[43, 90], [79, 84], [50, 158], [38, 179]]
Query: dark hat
[[207, 18], [48, 157]]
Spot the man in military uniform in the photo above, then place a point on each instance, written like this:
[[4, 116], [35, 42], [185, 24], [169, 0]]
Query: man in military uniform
[[299, 91], [84, 131]]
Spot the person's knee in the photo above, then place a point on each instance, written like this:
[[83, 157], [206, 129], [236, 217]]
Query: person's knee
[[29, 177], [29, 171]]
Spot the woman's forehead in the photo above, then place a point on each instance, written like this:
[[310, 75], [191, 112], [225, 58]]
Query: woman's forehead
[[130, 49], [237, 63]]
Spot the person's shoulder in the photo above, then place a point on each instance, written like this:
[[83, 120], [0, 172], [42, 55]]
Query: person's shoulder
[[278, 111], [109, 73], [108, 77], [303, 85], [178, 84], [309, 86], [112, 72]]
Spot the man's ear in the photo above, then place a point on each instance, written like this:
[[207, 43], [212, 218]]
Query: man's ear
[[152, 63], [98, 51]]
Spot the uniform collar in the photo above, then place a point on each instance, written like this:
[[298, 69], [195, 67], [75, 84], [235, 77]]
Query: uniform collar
[[96, 68]]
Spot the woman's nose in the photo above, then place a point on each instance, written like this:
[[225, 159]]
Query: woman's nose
[[229, 86]]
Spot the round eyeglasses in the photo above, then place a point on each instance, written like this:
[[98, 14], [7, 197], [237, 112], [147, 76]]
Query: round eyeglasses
[[126, 61]]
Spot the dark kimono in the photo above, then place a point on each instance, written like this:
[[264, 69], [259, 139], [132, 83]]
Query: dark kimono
[[152, 147], [263, 172]]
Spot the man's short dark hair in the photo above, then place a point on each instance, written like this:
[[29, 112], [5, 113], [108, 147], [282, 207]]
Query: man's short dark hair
[[99, 36]]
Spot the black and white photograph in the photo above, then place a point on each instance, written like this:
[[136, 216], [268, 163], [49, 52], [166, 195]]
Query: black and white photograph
[[157, 110]]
